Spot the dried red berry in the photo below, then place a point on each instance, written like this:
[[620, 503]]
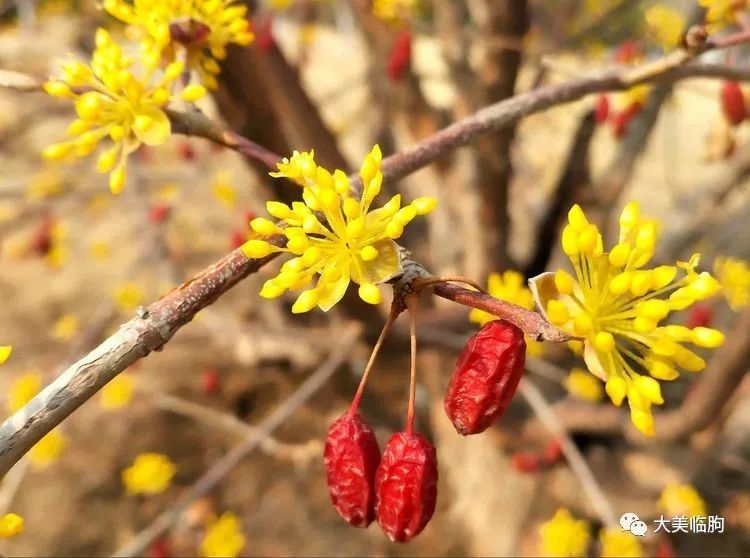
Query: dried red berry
[[351, 457], [158, 213], [399, 59], [486, 377], [210, 381], [733, 102], [602, 109], [406, 486], [701, 315], [525, 462], [552, 452]]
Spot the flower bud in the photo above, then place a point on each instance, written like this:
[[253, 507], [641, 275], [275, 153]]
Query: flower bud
[[486, 377], [406, 486], [351, 457]]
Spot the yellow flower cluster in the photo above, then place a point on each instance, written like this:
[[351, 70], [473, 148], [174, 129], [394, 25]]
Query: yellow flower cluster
[[666, 25], [23, 390], [583, 385], [48, 449], [223, 538], [734, 276], [150, 473], [118, 392], [564, 535], [616, 304], [111, 101], [722, 12], [509, 287], [354, 243], [682, 499], [394, 11], [197, 31], [11, 524], [619, 544]]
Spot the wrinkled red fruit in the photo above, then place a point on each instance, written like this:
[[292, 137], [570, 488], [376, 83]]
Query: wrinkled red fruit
[[486, 377], [601, 113], [525, 462], [733, 102], [351, 457], [406, 486], [399, 59], [701, 315]]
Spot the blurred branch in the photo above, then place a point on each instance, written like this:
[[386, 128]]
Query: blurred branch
[[252, 441]]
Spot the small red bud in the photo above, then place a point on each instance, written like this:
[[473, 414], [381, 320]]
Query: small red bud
[[406, 486], [701, 315], [525, 462], [486, 377], [602, 109], [733, 102], [210, 381], [552, 452], [351, 457], [399, 59], [158, 213]]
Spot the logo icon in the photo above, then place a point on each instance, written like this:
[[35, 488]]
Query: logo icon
[[631, 522]]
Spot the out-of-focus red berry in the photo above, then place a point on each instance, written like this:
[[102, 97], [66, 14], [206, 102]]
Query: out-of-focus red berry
[[159, 212], [41, 240], [622, 119], [210, 381], [733, 102], [701, 315], [525, 462], [237, 238], [399, 59], [601, 112], [264, 35], [159, 548], [186, 151], [627, 52], [552, 452]]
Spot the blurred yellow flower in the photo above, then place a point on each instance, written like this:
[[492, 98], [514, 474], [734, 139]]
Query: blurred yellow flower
[[666, 25], [118, 392], [198, 32], [722, 12], [99, 250], [619, 544], [394, 11], [65, 328], [564, 536], [223, 538], [510, 287], [616, 306], [58, 253], [11, 524], [581, 384], [128, 296], [224, 190], [23, 389], [354, 244], [635, 95], [682, 499], [5, 351], [44, 184], [48, 449], [150, 473], [734, 276]]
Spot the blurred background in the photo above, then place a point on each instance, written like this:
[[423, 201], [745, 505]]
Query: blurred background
[[338, 76]]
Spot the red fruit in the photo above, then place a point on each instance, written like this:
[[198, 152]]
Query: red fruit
[[248, 215], [486, 377], [525, 462], [399, 59], [623, 118], [701, 315], [552, 452], [264, 35], [158, 213], [406, 486], [159, 549], [237, 238], [602, 109], [41, 241], [351, 457], [210, 381], [733, 102], [186, 151], [627, 52]]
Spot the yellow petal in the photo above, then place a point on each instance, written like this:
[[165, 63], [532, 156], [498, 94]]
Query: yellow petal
[[158, 129], [384, 267], [5, 351]]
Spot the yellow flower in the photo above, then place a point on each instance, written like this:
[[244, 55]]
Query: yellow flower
[[634, 95], [394, 11], [615, 304], [682, 499], [99, 249], [666, 25], [722, 12], [509, 287], [128, 297], [583, 385], [150, 473], [118, 392], [65, 328], [5, 351], [111, 101], [48, 449], [11, 524], [564, 536], [619, 544], [199, 31], [23, 390], [224, 190], [734, 276], [224, 538], [354, 244], [44, 184]]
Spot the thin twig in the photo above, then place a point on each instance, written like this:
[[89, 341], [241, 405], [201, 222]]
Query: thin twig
[[254, 439]]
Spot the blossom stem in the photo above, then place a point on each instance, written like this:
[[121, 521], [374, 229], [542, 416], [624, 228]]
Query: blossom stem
[[411, 304]]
